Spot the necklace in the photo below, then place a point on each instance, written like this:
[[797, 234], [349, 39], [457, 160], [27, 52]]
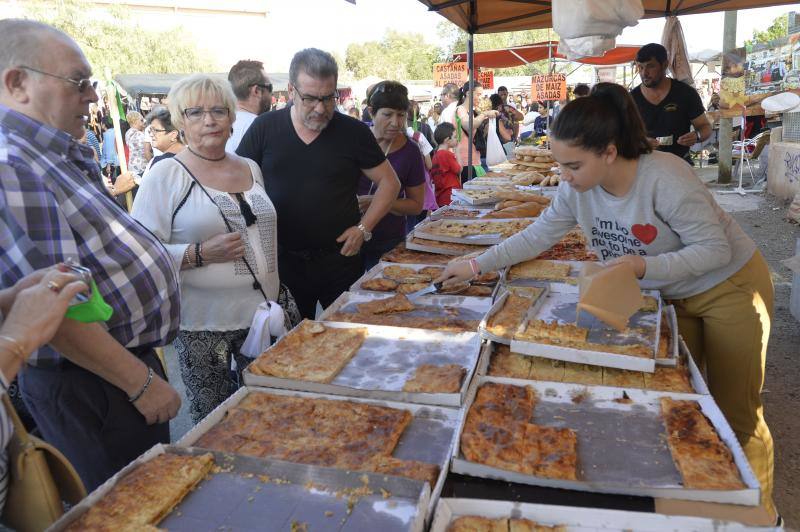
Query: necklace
[[217, 159]]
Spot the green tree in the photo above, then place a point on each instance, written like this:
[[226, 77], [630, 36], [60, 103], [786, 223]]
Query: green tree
[[779, 28], [112, 41], [397, 55], [456, 40]]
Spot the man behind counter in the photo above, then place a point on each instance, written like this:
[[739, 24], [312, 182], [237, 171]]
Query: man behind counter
[[668, 106]]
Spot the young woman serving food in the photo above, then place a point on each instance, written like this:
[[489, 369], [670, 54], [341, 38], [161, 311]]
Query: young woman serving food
[[649, 209]]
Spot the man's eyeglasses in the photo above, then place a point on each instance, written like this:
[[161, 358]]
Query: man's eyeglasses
[[311, 101], [82, 84], [193, 114], [266, 86]]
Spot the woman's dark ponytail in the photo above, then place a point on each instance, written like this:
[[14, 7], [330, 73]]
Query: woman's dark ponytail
[[607, 116], [463, 93]]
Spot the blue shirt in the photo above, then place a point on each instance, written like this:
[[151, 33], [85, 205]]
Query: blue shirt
[[109, 155]]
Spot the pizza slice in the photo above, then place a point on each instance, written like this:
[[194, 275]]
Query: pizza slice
[[504, 363], [478, 524], [582, 373], [546, 369], [704, 461], [414, 469], [505, 322], [539, 269], [396, 303], [410, 288], [525, 525], [553, 333], [397, 272], [558, 451], [311, 352], [379, 284], [623, 378], [143, 497], [429, 378], [669, 379]]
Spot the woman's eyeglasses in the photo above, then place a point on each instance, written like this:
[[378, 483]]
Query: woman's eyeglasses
[[193, 114]]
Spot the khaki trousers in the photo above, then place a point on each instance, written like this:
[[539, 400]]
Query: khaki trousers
[[726, 329]]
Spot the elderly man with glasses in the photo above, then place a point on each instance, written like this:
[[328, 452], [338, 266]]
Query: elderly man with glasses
[[312, 158], [253, 91], [97, 391]]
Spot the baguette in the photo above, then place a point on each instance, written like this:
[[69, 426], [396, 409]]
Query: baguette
[[519, 195], [507, 203]]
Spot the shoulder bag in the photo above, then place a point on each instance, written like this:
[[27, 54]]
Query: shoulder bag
[[40, 478]]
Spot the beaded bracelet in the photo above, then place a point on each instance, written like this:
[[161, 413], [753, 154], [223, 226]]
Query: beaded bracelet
[[144, 388], [473, 264], [186, 258], [198, 259]]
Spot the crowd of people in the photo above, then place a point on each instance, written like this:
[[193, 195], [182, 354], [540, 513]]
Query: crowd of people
[[236, 207]]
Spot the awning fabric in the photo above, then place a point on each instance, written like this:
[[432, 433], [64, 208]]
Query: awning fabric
[[520, 55], [494, 16]]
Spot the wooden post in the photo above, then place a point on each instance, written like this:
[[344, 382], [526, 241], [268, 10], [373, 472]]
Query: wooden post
[[726, 124]]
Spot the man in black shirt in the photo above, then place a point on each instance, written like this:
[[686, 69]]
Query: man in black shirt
[[668, 106], [312, 158]]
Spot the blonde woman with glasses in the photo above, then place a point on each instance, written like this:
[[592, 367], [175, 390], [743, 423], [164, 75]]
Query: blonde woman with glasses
[[210, 209]]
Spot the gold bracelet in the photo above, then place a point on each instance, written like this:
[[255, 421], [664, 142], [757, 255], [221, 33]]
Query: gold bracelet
[[17, 348]]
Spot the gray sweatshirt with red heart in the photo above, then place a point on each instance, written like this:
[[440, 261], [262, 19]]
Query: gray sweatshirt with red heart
[[669, 217]]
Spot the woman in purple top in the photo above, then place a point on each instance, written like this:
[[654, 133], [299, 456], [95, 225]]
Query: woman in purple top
[[388, 104]]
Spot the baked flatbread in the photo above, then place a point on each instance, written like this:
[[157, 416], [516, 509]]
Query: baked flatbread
[[379, 284], [703, 460], [396, 303], [397, 272], [432, 271], [145, 496], [504, 363], [505, 322], [539, 269], [436, 379], [410, 288], [554, 333], [307, 355], [478, 524]]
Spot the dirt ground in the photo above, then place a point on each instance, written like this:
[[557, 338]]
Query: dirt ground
[[776, 238]]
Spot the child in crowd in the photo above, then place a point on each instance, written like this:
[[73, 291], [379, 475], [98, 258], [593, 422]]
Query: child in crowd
[[445, 170]]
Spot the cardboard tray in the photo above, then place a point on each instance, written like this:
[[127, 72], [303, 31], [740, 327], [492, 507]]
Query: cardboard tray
[[496, 306], [622, 448], [442, 250], [482, 183], [441, 213], [236, 497], [695, 377], [430, 437], [431, 306], [468, 200], [388, 357], [377, 271], [573, 288], [576, 519], [561, 305], [422, 230]]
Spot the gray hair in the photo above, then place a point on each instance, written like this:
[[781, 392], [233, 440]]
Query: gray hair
[[21, 42], [452, 90], [161, 114], [244, 75], [317, 63]]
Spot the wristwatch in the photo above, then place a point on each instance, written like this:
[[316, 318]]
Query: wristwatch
[[367, 234]]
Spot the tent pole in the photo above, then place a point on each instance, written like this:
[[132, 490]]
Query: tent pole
[[725, 154], [552, 63], [471, 104]]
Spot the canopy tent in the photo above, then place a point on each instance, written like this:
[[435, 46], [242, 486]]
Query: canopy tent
[[530, 53], [137, 85], [494, 16]]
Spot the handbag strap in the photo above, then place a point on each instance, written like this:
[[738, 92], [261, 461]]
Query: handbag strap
[[19, 427], [256, 282]]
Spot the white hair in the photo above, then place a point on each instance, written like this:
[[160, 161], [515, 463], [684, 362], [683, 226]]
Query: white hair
[[190, 90], [21, 42]]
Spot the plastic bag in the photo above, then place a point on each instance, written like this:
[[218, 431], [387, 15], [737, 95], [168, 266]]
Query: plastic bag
[[495, 154], [268, 321], [590, 27]]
